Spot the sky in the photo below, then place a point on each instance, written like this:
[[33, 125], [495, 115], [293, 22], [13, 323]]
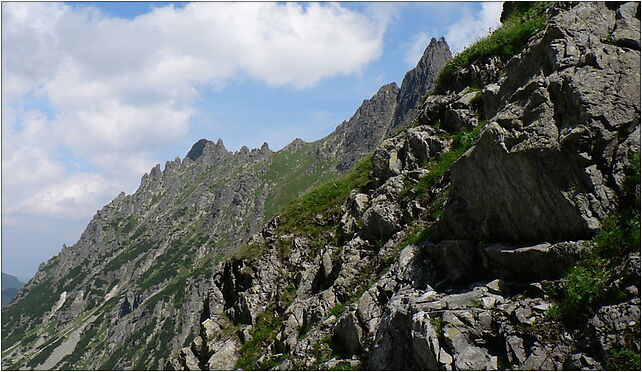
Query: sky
[[95, 94]]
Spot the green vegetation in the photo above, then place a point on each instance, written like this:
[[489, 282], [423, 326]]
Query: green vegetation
[[40, 299], [316, 213], [338, 309], [583, 288], [508, 40], [417, 234], [131, 223], [267, 325], [246, 251], [129, 254], [86, 337], [292, 173], [170, 262], [325, 200], [438, 324], [438, 167], [462, 141], [585, 283], [622, 360]]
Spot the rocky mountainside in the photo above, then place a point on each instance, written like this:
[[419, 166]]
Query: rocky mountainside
[[490, 224], [500, 231], [131, 292]]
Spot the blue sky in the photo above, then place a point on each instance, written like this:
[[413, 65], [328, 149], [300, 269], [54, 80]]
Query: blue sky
[[95, 94]]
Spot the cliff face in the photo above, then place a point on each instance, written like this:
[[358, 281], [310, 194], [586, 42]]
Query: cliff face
[[471, 244], [130, 293], [466, 241]]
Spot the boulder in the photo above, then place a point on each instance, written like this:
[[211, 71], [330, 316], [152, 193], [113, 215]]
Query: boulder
[[548, 166]]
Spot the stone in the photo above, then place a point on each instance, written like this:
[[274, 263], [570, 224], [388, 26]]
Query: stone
[[515, 345], [425, 342], [526, 179], [538, 262], [615, 327], [349, 333], [381, 220], [407, 152], [224, 357]]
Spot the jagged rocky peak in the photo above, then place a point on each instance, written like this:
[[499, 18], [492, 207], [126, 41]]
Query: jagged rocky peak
[[296, 144], [205, 147], [421, 79], [244, 150]]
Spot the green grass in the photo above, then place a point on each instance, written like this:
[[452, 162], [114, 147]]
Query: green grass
[[584, 284], [43, 355], [438, 324], [173, 260], [129, 254], [40, 299], [292, 173], [583, 287], [325, 200], [338, 309], [86, 337], [267, 325], [131, 223], [438, 167], [622, 360], [506, 41], [416, 235], [300, 215]]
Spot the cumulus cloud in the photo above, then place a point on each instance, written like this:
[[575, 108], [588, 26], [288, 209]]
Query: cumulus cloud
[[473, 26], [415, 49], [120, 89], [78, 195]]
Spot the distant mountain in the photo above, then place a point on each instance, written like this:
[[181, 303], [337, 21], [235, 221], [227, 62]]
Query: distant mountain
[[10, 287], [130, 293], [468, 237]]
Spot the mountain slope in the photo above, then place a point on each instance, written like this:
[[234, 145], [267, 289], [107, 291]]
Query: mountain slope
[[137, 278], [388, 280], [10, 286]]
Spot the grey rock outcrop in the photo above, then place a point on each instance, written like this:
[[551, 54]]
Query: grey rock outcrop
[[548, 165], [418, 81], [389, 110]]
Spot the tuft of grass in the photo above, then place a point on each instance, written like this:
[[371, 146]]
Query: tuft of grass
[[583, 286], [622, 360], [585, 282], [246, 251], [267, 325], [620, 233], [506, 41], [438, 167], [438, 324], [338, 309]]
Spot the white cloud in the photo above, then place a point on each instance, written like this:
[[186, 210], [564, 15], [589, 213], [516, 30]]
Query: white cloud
[[415, 49], [76, 197], [26, 150], [471, 27], [121, 89]]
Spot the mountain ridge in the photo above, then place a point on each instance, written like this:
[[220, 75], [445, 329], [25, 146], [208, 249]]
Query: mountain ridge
[[141, 256], [446, 247]]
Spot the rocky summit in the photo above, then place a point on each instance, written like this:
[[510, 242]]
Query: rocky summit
[[484, 215]]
